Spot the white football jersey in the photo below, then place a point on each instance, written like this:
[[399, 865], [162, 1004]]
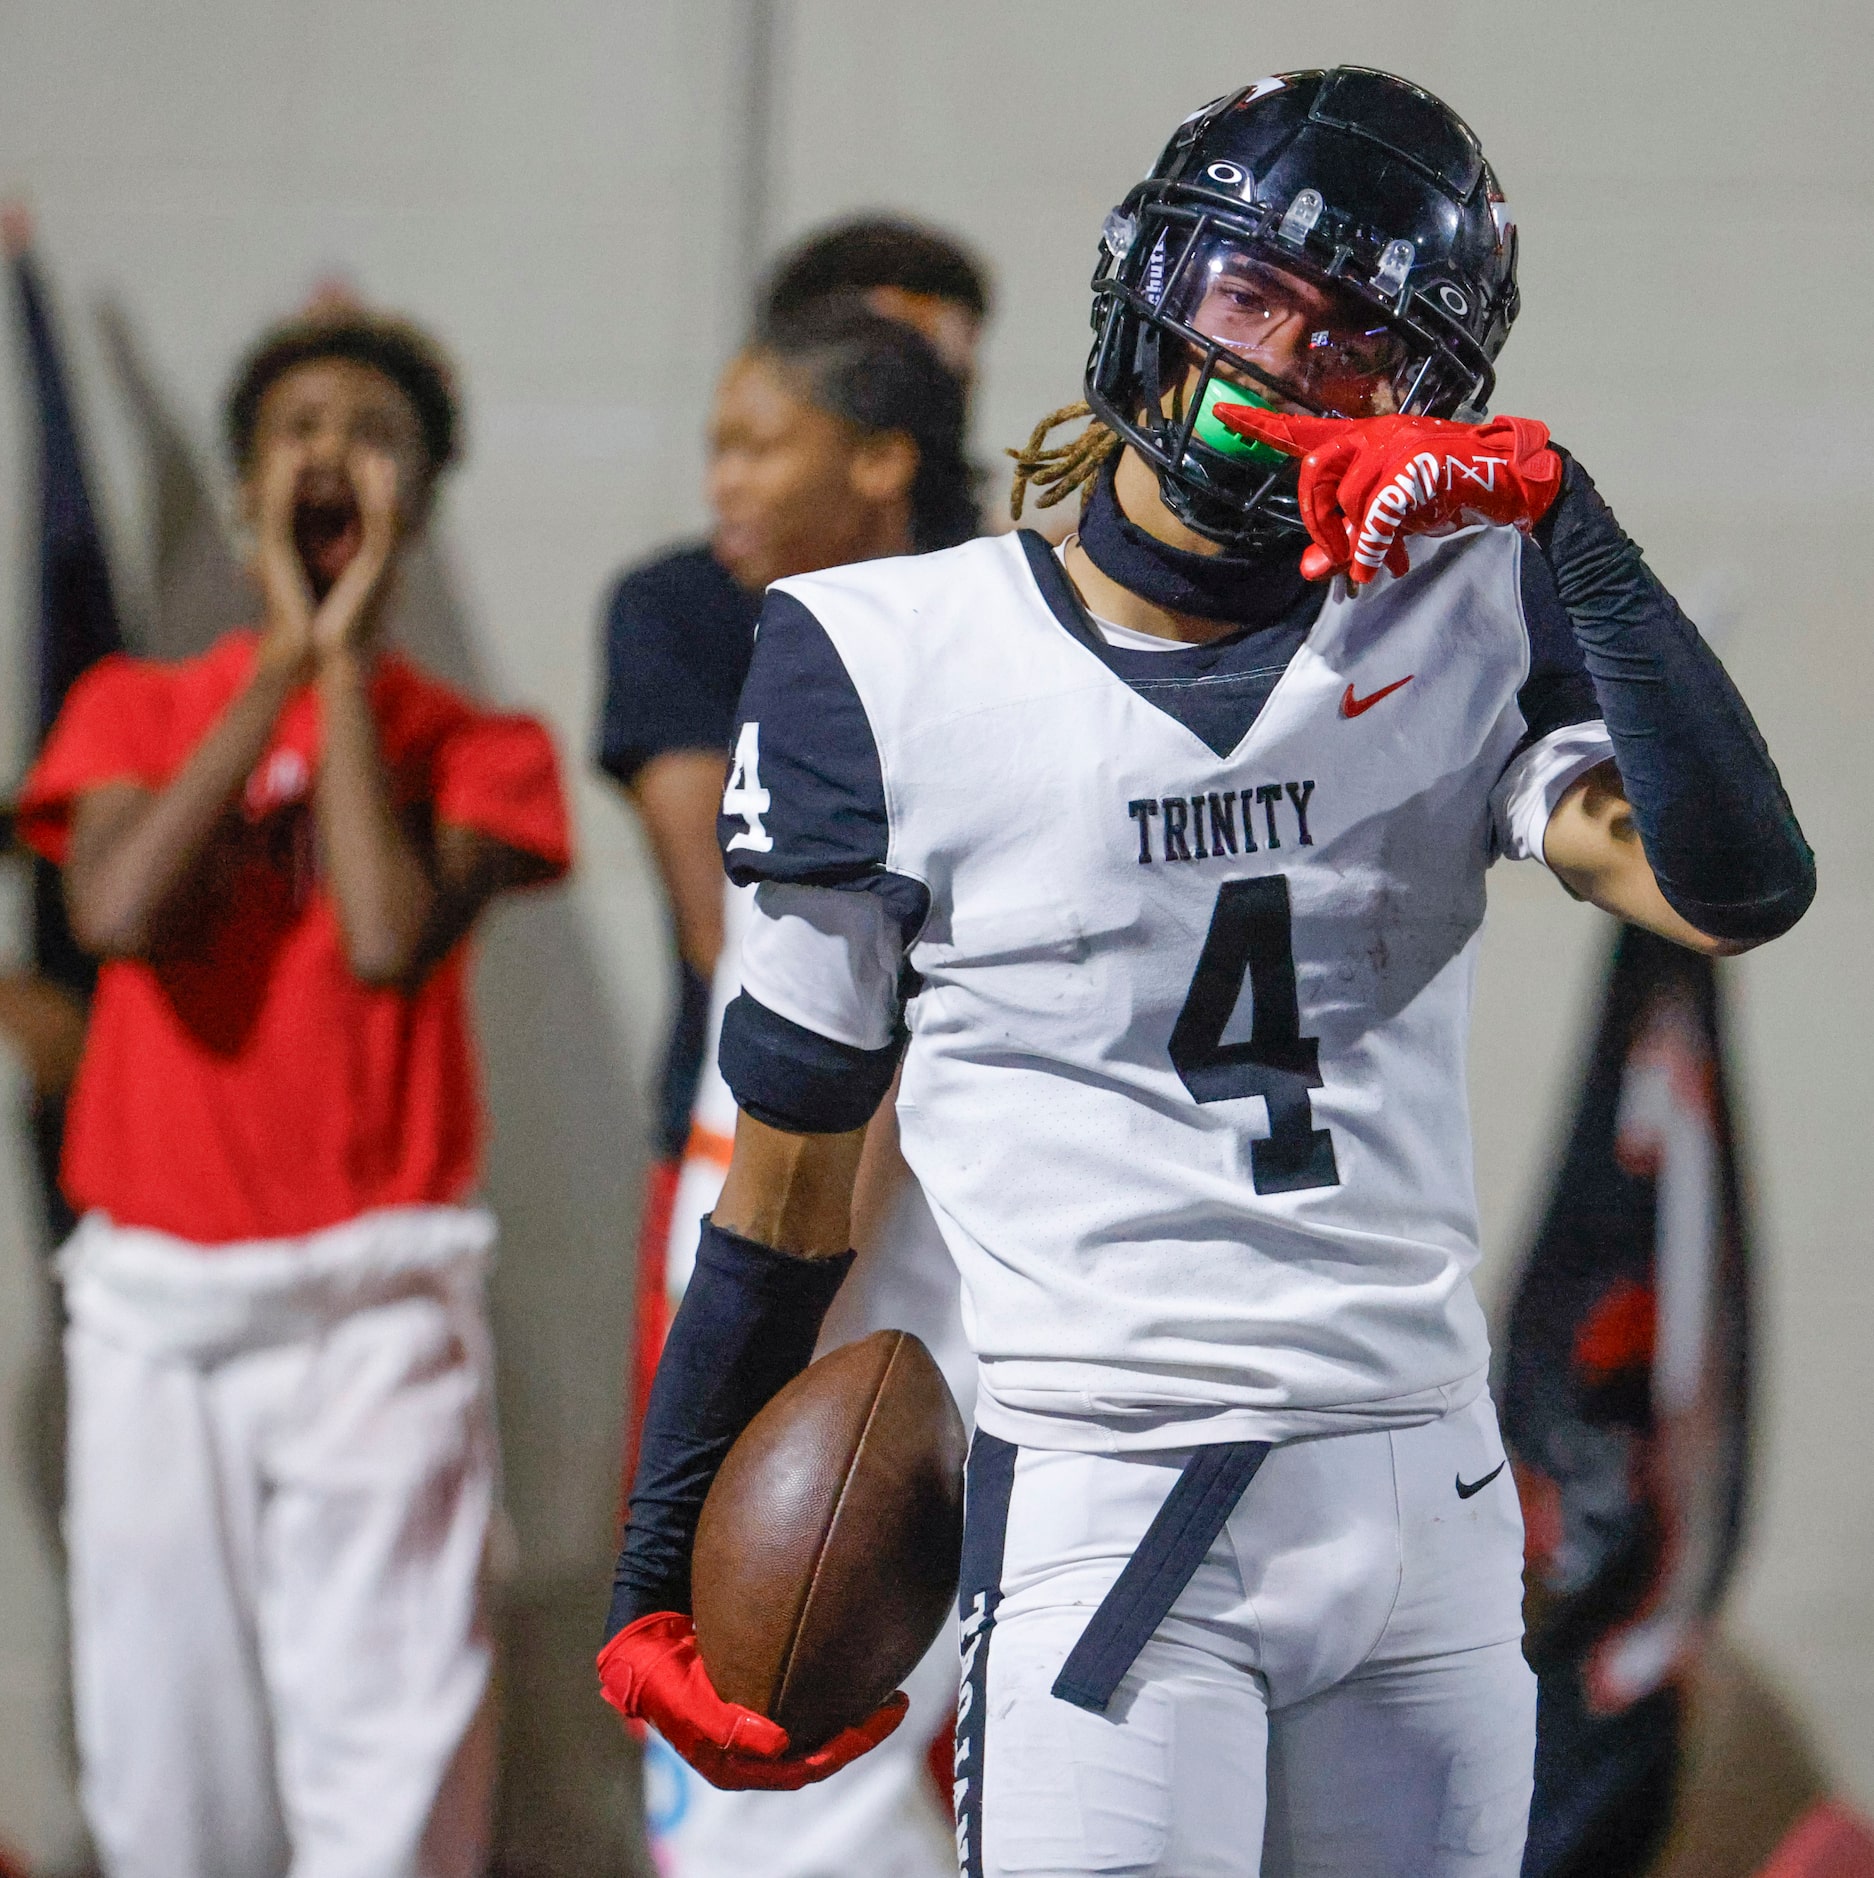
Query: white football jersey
[[1184, 945]]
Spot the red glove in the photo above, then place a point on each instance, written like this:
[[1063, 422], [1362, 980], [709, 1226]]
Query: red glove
[[1367, 482], [650, 1673]]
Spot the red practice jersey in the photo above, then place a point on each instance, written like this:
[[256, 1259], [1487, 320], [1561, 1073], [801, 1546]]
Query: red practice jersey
[[247, 1084]]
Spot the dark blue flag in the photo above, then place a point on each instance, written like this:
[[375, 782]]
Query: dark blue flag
[[77, 625], [1626, 1409], [78, 621]]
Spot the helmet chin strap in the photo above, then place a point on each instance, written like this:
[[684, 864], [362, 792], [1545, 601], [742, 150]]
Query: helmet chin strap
[[1222, 521], [1254, 585]]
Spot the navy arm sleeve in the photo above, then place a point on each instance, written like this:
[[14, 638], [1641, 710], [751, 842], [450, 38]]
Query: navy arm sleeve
[[1558, 693], [745, 1329], [1710, 808], [806, 806]]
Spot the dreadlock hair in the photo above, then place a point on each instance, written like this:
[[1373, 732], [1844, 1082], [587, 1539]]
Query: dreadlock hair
[[403, 352], [880, 375], [875, 251], [1062, 469]]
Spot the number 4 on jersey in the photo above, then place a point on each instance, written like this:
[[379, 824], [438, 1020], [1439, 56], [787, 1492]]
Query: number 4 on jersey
[[744, 795], [1251, 936]]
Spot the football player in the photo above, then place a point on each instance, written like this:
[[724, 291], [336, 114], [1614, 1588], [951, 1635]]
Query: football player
[[837, 433], [1166, 853], [680, 627]]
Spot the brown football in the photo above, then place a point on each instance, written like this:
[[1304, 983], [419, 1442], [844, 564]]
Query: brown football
[[826, 1558]]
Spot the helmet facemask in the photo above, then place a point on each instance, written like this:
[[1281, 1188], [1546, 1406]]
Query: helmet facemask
[[1201, 299]]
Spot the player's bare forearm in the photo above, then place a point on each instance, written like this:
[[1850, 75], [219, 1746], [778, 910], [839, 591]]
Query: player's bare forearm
[[791, 1192], [1594, 849], [380, 880], [135, 852], [677, 795]]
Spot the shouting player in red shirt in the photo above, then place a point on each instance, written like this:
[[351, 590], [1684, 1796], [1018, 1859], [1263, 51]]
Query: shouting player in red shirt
[[282, 1455]]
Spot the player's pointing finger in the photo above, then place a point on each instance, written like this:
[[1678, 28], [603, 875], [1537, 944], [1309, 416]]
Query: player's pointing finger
[[1323, 512], [1293, 432]]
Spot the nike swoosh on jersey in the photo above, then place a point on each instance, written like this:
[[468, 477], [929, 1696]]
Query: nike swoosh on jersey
[[1467, 1488], [1350, 706]]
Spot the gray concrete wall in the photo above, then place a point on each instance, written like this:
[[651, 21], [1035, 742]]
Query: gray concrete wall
[[563, 189]]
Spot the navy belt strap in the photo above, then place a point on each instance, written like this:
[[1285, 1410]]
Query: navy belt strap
[[1186, 1527]]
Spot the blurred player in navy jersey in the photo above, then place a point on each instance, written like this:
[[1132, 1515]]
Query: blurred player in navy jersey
[[1158, 861], [679, 628], [679, 632], [837, 434]]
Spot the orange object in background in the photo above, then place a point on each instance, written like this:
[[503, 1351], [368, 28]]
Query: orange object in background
[[650, 1309], [1828, 1841]]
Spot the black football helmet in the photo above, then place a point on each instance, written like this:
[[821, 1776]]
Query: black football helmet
[[1331, 242]]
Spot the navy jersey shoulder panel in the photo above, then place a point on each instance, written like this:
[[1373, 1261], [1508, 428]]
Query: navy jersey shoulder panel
[[678, 635], [1215, 691], [1050, 578], [824, 822], [1558, 691], [795, 1079]]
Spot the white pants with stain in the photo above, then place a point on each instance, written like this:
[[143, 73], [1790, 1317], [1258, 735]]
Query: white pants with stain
[[282, 1476]]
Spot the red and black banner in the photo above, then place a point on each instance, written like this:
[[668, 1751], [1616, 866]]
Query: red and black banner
[[1625, 1399]]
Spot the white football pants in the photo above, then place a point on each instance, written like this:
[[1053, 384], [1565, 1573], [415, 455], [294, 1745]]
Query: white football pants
[[1339, 1692], [877, 1818], [282, 1472]]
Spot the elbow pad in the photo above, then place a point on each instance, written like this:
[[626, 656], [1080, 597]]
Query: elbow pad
[[795, 1079]]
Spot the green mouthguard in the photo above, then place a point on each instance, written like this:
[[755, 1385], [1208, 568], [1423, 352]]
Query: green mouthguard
[[1210, 428]]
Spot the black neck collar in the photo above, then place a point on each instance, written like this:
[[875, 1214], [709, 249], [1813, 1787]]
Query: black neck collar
[[1247, 590]]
